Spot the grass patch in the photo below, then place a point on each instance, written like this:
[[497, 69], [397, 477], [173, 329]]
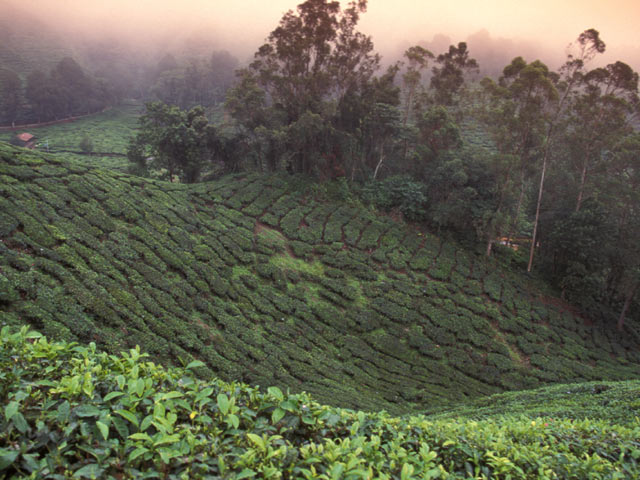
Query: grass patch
[[287, 262]]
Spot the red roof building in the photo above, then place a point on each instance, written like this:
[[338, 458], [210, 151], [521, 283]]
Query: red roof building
[[25, 140], [25, 137]]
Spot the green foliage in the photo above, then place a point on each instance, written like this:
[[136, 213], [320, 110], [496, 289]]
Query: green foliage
[[438, 134], [275, 281], [449, 75], [66, 91], [399, 192], [10, 96], [109, 131], [86, 145], [174, 140], [577, 244], [67, 408], [313, 101], [310, 97], [195, 82]]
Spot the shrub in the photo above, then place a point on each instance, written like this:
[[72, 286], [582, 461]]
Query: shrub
[[398, 192], [86, 144]]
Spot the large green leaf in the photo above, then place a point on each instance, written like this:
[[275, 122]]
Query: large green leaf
[[129, 416], [223, 403], [7, 457], [111, 395], [275, 392], [246, 473], [19, 422], [137, 452], [87, 411], [93, 471], [10, 410], [104, 430], [195, 364], [277, 415]]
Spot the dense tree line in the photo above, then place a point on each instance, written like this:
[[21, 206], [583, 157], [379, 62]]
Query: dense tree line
[[545, 159], [68, 89], [194, 82], [315, 100], [65, 91]]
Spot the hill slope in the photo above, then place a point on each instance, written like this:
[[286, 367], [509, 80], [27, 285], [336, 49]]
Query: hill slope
[[271, 282], [70, 411]]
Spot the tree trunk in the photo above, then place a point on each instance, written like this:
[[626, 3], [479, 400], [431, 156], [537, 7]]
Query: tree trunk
[[489, 246], [625, 307], [583, 180], [407, 108], [514, 222], [583, 175], [405, 149], [545, 158], [538, 203], [375, 172]]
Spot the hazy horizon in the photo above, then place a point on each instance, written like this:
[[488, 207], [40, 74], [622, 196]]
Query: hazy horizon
[[543, 29]]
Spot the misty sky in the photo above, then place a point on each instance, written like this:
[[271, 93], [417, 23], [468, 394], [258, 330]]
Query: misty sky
[[242, 25]]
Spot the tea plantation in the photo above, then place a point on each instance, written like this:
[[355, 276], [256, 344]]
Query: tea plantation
[[279, 282], [72, 412], [108, 131]]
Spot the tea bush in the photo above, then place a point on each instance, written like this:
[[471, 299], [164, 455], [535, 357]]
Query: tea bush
[[268, 279]]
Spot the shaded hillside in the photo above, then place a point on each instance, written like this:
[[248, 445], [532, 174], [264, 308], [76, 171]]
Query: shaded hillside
[[70, 411], [272, 282], [617, 402]]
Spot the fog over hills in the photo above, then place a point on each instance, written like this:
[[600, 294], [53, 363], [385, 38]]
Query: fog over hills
[[496, 32]]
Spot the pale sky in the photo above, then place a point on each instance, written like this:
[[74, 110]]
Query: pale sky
[[243, 25]]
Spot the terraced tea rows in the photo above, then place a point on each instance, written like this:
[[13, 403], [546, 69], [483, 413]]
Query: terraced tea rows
[[271, 282]]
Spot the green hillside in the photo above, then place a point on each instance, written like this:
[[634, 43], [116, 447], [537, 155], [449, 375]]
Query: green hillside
[[71, 412], [274, 281], [109, 132]]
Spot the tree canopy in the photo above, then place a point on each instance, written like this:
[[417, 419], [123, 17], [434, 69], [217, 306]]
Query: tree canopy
[[174, 142], [308, 85]]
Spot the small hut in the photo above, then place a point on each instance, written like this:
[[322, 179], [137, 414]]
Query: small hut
[[25, 140]]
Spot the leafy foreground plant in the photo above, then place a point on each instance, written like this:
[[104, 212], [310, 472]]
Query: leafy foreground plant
[[69, 411]]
